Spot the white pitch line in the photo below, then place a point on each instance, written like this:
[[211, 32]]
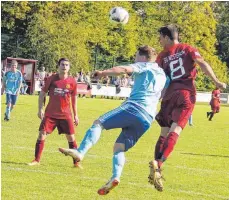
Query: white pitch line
[[129, 183], [183, 191], [142, 162], [46, 172]]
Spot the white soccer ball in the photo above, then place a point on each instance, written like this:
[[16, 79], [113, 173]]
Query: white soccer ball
[[119, 15]]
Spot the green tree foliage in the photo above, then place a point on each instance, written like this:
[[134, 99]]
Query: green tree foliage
[[203, 36], [197, 27], [54, 34], [222, 15], [74, 29], [15, 16], [150, 21], [13, 13], [82, 32]]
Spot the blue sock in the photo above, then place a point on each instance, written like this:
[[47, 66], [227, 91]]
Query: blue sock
[[118, 164], [190, 120], [8, 112], [90, 139]]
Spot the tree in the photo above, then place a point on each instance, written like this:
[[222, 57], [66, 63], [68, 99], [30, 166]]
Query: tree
[[56, 31], [82, 31], [15, 16], [222, 15], [197, 25]]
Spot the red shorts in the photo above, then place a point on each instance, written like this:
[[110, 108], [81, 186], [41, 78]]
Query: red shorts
[[177, 108], [66, 126], [215, 108]]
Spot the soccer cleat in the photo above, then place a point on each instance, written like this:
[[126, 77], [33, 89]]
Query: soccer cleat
[[155, 177], [73, 153], [111, 184], [33, 163], [78, 165], [6, 118], [208, 113]]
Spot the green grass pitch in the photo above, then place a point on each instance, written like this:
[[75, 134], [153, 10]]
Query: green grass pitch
[[197, 169]]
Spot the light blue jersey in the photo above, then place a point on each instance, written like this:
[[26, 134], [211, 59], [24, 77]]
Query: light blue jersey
[[12, 82], [134, 116], [149, 80]]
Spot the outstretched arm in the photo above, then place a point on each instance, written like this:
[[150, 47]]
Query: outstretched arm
[[206, 68], [115, 71]]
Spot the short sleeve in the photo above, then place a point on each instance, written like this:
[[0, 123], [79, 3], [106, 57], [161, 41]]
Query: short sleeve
[[194, 53], [47, 84], [137, 69]]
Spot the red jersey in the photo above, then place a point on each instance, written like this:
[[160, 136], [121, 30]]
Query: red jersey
[[215, 97], [178, 64], [60, 92]]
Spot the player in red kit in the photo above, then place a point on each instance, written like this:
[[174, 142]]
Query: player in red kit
[[179, 63], [214, 103], [62, 97]]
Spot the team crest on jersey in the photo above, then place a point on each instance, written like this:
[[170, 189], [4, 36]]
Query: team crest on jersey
[[68, 86], [197, 53]]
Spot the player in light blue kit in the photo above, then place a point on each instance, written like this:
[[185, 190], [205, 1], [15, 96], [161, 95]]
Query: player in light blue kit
[[12, 82], [134, 116]]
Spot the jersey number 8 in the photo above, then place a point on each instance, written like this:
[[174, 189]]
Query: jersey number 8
[[174, 68]]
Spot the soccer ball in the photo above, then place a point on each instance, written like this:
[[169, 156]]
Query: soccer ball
[[119, 15]]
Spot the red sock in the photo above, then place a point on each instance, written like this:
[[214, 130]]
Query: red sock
[[38, 149], [168, 147], [73, 145], [159, 147]]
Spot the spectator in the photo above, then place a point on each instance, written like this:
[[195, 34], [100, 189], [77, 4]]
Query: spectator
[[81, 76], [76, 77], [24, 86], [87, 80], [130, 81], [106, 80], [37, 75], [117, 83], [42, 75], [124, 81], [50, 73]]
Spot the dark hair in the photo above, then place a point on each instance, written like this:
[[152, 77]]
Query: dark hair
[[147, 51], [63, 59], [169, 30]]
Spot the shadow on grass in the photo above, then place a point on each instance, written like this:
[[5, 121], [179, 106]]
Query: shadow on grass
[[11, 162], [208, 155]]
